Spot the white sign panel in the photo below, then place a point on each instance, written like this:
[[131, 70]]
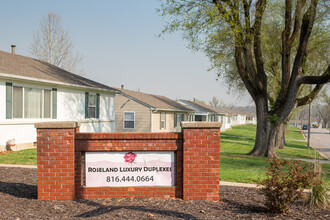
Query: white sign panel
[[129, 168]]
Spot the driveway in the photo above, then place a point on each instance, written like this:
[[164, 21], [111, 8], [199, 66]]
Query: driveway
[[320, 141]]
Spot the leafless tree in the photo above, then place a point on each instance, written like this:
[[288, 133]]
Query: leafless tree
[[216, 102], [51, 43], [303, 114], [324, 110]]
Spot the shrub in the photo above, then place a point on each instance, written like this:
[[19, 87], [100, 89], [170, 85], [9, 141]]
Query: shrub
[[319, 196], [285, 182]]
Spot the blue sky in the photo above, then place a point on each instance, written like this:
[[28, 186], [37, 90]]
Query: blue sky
[[119, 46]]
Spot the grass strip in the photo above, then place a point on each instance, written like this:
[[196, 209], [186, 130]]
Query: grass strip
[[27, 157]]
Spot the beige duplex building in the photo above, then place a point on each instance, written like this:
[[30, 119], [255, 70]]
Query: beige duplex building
[[142, 112]]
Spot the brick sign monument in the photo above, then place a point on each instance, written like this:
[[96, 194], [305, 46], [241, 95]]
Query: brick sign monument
[[74, 165]]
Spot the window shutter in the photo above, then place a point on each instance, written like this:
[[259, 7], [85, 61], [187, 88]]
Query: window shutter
[[97, 114], [86, 104], [175, 120], [9, 100], [54, 103], [160, 121]]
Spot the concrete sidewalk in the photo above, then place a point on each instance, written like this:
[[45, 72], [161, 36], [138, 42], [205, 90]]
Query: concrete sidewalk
[[320, 141], [307, 160], [19, 166], [248, 185]]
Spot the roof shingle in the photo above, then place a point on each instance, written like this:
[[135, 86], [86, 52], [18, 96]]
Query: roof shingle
[[156, 101], [18, 65], [204, 107]]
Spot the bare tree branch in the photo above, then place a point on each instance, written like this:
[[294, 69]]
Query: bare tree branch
[[310, 97], [297, 23], [52, 44], [306, 30], [260, 9], [324, 78]]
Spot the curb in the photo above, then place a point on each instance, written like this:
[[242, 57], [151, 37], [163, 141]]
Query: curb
[[19, 166], [308, 160], [248, 185]]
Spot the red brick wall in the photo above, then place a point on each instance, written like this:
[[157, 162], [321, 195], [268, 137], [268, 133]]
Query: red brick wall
[[55, 160], [201, 164], [61, 151], [128, 142]]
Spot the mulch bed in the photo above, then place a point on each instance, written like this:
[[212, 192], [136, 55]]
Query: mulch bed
[[18, 200]]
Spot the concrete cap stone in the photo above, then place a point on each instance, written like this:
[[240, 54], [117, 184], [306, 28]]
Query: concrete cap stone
[[58, 124], [200, 124]]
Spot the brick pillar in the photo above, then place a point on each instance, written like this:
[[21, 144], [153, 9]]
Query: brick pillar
[[55, 159], [201, 160]]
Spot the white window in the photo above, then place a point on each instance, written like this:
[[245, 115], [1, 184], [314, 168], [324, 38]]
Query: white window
[[31, 103], [212, 118], [129, 120], [17, 102], [92, 106], [162, 120], [47, 103], [177, 119], [191, 117]]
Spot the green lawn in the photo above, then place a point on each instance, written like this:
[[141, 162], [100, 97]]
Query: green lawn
[[20, 157], [236, 166], [293, 133], [246, 131]]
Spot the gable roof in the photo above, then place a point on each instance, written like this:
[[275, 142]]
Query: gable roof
[[18, 66], [236, 112], [250, 114], [229, 111], [155, 101], [199, 106]]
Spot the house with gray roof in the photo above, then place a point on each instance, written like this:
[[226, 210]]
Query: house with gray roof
[[239, 117], [142, 112], [206, 112], [235, 118], [35, 91], [251, 118]]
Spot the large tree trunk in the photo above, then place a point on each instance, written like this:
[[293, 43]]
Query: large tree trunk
[[280, 137], [271, 145], [263, 128], [267, 133], [284, 132]]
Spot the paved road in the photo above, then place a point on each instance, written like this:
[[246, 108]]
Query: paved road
[[320, 141]]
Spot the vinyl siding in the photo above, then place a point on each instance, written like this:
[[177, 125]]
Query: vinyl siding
[[70, 107], [142, 115], [169, 122]]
